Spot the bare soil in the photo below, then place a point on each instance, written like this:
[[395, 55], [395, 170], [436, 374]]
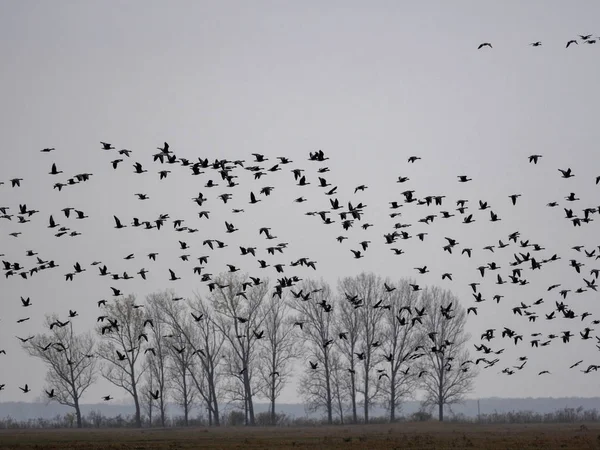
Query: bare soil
[[398, 436]]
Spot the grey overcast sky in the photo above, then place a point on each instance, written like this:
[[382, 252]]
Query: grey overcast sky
[[370, 83]]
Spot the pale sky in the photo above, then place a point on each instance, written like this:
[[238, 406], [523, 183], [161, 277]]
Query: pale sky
[[369, 83]]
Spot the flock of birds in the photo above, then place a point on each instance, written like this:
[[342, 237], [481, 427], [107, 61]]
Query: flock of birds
[[584, 38], [351, 214]]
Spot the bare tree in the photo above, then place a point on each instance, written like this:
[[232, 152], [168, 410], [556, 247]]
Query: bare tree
[[180, 372], [120, 347], [339, 383], [348, 333], [370, 293], [206, 342], [238, 303], [314, 310], [279, 348], [160, 342], [70, 361], [447, 377], [402, 334]]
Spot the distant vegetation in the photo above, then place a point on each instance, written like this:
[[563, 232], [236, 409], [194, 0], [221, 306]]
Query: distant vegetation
[[95, 419]]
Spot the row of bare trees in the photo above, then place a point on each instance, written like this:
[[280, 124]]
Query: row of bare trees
[[382, 344], [369, 343]]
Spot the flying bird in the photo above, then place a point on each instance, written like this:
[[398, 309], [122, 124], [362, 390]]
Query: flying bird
[[54, 170]]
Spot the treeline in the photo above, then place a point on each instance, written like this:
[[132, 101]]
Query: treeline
[[95, 419], [565, 415], [369, 343]]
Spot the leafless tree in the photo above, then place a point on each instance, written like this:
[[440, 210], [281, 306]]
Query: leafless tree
[[120, 348], [314, 309], [348, 337], [181, 365], [447, 377], [279, 348], [402, 334], [159, 339], [238, 303], [70, 361], [206, 342], [339, 384], [370, 292]]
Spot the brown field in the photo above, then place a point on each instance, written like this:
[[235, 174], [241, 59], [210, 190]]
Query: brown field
[[398, 436]]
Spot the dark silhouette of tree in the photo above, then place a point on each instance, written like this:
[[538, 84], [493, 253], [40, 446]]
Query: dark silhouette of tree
[[447, 377], [180, 369], [347, 340], [401, 336], [371, 294], [239, 313], [316, 386], [70, 360], [120, 348], [278, 349], [159, 360], [206, 343]]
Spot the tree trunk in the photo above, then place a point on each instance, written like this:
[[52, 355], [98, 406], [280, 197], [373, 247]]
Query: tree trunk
[[366, 397], [245, 407], [162, 410], [214, 409], [339, 400], [216, 412], [248, 400], [354, 412], [273, 405], [74, 394], [250, 405], [392, 398], [329, 399], [209, 405], [441, 393], [77, 412], [138, 415], [213, 403], [186, 404]]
